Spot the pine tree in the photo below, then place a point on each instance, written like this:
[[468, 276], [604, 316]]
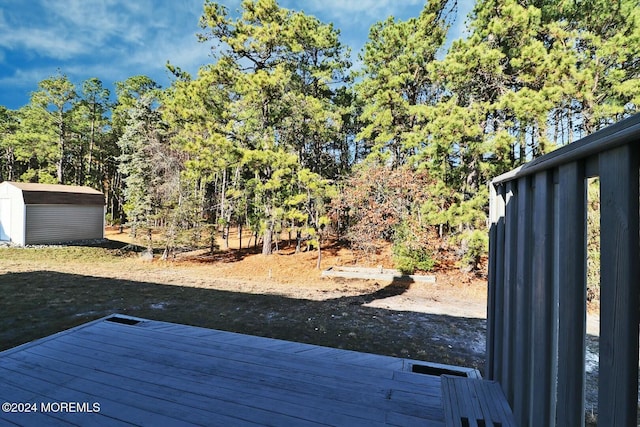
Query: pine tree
[[54, 100], [139, 144], [265, 111], [8, 127]]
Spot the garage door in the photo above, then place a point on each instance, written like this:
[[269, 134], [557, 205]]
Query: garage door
[[62, 223]]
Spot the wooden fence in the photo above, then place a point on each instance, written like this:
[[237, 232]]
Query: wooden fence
[[537, 281]]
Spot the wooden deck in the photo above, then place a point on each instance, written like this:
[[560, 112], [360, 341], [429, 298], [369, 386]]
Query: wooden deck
[[157, 373]]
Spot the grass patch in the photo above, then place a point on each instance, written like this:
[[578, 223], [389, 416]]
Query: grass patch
[[61, 254]]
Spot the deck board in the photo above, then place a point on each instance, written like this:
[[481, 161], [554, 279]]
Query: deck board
[[157, 373], [201, 396], [321, 368], [57, 392]]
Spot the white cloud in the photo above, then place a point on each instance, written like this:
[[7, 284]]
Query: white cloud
[[116, 39], [344, 10], [24, 78], [46, 42], [356, 15]]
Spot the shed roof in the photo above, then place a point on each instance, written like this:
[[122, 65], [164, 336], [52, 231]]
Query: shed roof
[[55, 194]]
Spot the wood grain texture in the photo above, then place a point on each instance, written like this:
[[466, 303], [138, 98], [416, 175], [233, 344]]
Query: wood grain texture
[[572, 295], [541, 365], [155, 373], [544, 309], [522, 371], [509, 291], [496, 289], [619, 272], [475, 402]]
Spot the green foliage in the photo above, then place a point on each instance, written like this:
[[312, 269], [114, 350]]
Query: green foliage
[[475, 245], [397, 83], [53, 102], [259, 125], [275, 134], [409, 252], [593, 240], [408, 260]]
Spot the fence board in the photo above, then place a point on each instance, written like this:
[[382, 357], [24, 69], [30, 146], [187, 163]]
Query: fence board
[[619, 258], [496, 251], [572, 295], [522, 373], [498, 314], [510, 269], [543, 341]]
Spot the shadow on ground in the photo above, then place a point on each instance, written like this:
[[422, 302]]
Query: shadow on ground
[[40, 303]]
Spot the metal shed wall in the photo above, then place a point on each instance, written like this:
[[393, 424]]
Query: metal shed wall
[[61, 223]]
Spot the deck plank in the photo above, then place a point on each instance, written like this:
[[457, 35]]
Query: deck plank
[[284, 380], [474, 402], [294, 347], [56, 392], [293, 363], [202, 396], [234, 362], [10, 393], [169, 374]]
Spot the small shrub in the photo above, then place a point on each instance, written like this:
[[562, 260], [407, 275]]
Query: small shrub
[[473, 246], [408, 259], [109, 219]]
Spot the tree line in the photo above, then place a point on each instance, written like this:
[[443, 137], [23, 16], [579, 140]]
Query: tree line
[[282, 133]]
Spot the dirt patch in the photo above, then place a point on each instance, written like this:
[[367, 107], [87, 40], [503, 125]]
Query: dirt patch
[[281, 296]]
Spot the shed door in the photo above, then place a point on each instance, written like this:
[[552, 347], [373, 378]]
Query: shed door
[[63, 223], [5, 218]]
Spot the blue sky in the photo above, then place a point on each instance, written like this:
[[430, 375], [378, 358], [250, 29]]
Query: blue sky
[[116, 39]]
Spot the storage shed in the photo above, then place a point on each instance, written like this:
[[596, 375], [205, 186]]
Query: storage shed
[[48, 213]]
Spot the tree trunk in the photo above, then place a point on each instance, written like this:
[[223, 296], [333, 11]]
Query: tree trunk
[[268, 236], [92, 138], [150, 238], [212, 240], [61, 147], [225, 227], [319, 253]]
